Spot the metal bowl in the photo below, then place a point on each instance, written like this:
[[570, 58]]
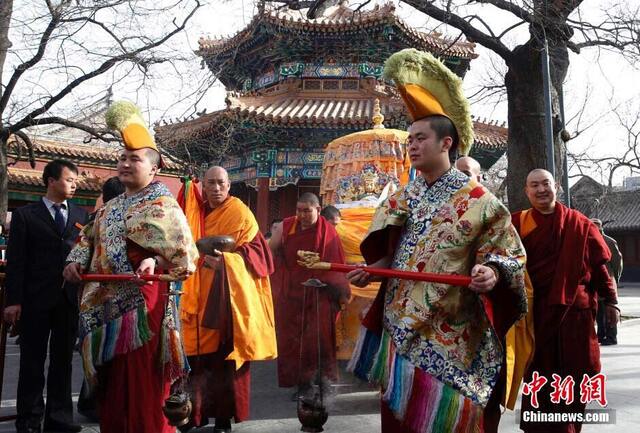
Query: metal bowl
[[224, 244], [177, 409]]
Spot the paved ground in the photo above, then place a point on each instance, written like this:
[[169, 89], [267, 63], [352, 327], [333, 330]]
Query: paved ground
[[356, 407]]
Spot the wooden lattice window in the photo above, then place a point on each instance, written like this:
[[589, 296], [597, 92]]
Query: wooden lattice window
[[350, 84], [312, 84], [331, 85]]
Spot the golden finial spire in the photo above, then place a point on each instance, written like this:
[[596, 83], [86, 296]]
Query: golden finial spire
[[377, 118]]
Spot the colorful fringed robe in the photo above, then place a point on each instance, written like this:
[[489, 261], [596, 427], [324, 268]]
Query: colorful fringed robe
[[435, 349], [113, 316]]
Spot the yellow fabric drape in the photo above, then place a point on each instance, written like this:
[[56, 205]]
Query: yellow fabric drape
[[193, 211], [352, 229], [520, 341], [254, 335]]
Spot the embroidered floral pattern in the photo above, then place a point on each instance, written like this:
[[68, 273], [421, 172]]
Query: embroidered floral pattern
[[153, 220], [447, 228]]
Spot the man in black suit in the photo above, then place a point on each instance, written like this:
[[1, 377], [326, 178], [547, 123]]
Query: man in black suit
[[42, 234]]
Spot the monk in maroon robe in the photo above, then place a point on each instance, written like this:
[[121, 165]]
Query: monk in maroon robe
[[566, 261], [306, 316], [227, 309]]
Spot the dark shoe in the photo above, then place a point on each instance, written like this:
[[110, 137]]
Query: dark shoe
[[28, 430], [191, 425], [204, 422], [90, 414], [222, 426], [188, 426], [609, 343], [59, 426]]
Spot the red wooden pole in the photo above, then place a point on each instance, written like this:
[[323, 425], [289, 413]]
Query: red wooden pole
[[122, 277], [454, 280], [262, 208]]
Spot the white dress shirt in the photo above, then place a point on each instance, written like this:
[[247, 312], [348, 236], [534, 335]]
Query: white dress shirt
[[64, 209]]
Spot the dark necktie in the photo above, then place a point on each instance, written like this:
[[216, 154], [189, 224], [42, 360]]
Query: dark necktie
[[59, 218]]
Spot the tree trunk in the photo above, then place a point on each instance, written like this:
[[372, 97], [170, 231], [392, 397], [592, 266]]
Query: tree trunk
[[6, 9], [4, 178], [527, 135]]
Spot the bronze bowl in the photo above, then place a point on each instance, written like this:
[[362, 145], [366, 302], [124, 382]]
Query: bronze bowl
[[312, 415], [177, 409], [224, 244]]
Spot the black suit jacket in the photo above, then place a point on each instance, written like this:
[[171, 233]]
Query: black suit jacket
[[36, 256]]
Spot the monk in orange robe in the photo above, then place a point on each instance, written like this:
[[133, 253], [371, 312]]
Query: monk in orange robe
[[301, 330], [566, 260], [227, 310]]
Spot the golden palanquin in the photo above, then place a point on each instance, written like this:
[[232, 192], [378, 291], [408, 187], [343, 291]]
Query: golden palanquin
[[357, 169]]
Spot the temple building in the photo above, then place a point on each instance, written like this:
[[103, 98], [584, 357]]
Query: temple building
[[294, 85]]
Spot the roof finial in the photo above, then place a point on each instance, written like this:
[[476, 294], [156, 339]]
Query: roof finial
[[377, 118]]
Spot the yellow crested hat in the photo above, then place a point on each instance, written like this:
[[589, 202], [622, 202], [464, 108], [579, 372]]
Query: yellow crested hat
[[429, 88], [125, 116]]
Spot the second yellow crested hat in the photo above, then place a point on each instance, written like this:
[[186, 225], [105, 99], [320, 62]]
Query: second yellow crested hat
[[125, 116], [429, 88]]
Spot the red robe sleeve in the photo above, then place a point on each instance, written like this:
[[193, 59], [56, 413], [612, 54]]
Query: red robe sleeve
[[598, 254], [257, 256]]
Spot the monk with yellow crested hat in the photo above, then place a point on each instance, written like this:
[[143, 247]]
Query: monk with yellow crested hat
[[435, 349], [125, 117], [129, 330]]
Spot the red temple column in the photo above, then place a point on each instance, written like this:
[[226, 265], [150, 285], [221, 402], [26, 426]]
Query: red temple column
[[262, 208]]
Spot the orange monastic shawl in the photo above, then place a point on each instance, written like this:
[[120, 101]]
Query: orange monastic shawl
[[254, 335]]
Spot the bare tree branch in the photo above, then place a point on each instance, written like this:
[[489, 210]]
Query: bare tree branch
[[100, 134], [44, 40], [509, 6], [29, 145], [128, 56], [472, 33]]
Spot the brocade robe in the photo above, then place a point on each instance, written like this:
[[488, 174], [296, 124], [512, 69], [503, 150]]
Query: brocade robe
[[435, 348], [130, 336]]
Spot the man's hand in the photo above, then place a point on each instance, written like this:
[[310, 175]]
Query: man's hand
[[612, 314], [275, 241], [146, 267], [277, 229], [12, 314], [483, 279], [213, 262], [71, 272], [359, 277]]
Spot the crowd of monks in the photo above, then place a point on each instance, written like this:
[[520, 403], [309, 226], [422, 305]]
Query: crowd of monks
[[304, 323], [445, 356]]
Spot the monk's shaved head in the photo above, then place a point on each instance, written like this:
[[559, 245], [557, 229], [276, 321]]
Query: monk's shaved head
[[541, 190], [217, 172], [539, 173], [309, 198], [216, 186], [470, 167], [308, 209]]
